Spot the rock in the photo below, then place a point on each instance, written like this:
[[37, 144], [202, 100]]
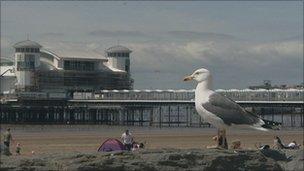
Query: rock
[[296, 160], [161, 159], [274, 154]]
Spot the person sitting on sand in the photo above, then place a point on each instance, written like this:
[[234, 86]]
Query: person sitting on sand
[[236, 145], [127, 140], [293, 145], [137, 146], [221, 141], [277, 143]]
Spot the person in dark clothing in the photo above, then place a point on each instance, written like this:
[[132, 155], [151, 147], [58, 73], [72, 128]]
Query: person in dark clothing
[[277, 143], [222, 142], [7, 138]]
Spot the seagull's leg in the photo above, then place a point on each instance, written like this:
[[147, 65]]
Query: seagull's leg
[[219, 140], [218, 137], [225, 139]]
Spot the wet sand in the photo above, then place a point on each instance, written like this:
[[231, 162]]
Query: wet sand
[[87, 138]]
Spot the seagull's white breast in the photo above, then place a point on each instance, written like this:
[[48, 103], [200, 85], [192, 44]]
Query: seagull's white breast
[[203, 97]]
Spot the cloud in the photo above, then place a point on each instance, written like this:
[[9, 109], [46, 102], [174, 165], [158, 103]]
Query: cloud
[[117, 33], [237, 64], [6, 47], [4, 42], [287, 48], [52, 34], [194, 35]]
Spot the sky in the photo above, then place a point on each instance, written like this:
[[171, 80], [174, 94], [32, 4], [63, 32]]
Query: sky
[[241, 43]]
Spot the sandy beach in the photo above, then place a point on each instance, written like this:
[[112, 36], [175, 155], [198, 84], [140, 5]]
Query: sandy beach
[[87, 138]]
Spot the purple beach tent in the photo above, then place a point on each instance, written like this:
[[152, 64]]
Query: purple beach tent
[[111, 144]]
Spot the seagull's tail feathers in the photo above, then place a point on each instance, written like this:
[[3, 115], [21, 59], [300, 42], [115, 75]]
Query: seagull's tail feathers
[[271, 125], [259, 125], [266, 125]]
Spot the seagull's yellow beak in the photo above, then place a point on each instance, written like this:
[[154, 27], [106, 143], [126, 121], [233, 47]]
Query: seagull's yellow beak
[[188, 78]]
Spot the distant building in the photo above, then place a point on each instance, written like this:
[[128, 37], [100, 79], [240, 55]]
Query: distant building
[[267, 85], [36, 68]]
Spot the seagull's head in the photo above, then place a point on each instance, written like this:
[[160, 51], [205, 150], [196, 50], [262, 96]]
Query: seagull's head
[[199, 75]]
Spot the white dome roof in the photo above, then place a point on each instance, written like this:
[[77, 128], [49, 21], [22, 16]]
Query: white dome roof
[[27, 43], [118, 48]]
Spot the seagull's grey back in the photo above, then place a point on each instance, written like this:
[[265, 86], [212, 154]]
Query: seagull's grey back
[[229, 111]]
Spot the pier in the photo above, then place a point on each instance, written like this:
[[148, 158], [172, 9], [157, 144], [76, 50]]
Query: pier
[[114, 108]]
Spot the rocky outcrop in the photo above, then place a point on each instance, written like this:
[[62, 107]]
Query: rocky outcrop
[[163, 159]]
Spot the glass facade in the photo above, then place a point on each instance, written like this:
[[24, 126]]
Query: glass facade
[[25, 62], [79, 65], [29, 50], [127, 67], [117, 54]]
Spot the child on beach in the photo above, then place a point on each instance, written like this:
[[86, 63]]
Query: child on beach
[[221, 141], [18, 149], [236, 145]]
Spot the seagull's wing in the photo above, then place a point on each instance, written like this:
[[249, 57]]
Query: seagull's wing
[[229, 111]]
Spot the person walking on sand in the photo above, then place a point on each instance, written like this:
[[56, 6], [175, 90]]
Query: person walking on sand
[[7, 138], [127, 140]]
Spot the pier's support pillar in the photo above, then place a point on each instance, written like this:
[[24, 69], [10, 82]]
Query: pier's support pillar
[[190, 117], [160, 117], [178, 116], [187, 116], [151, 117], [141, 117], [291, 117], [169, 115], [133, 118], [128, 118]]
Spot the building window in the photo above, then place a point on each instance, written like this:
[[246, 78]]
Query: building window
[[26, 62], [19, 57], [127, 67], [27, 49], [79, 65]]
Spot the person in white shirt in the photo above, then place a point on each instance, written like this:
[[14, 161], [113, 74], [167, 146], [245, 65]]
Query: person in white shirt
[[293, 145], [127, 140]]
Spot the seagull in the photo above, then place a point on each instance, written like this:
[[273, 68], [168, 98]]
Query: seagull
[[219, 110]]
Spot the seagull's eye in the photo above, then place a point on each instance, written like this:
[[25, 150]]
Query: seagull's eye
[[196, 73]]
